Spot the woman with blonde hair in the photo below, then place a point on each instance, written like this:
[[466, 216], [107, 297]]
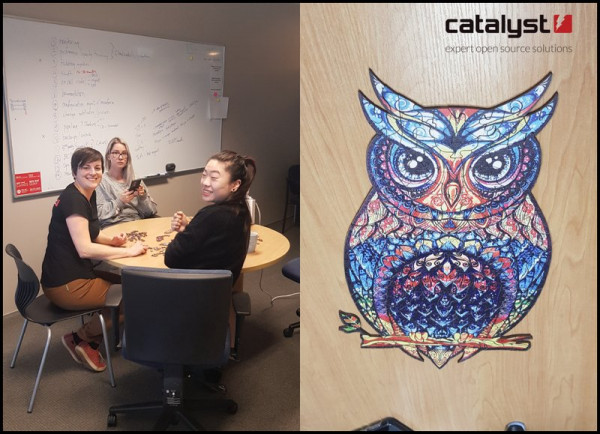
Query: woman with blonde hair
[[116, 203]]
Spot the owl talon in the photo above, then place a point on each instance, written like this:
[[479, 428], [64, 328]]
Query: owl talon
[[463, 337], [418, 336]]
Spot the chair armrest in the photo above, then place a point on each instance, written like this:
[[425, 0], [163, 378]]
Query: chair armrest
[[241, 303], [114, 295]]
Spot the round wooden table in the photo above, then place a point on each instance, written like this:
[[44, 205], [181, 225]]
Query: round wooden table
[[156, 234]]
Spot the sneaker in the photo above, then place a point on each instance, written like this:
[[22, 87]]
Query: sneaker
[[70, 345], [90, 357]]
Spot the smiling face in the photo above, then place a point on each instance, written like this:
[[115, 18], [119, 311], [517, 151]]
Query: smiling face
[[89, 175], [216, 182]]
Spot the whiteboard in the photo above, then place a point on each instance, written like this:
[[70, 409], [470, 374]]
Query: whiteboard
[[68, 87]]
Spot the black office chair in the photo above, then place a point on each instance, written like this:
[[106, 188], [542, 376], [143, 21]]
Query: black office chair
[[291, 270], [41, 311], [176, 321], [242, 306], [292, 193]]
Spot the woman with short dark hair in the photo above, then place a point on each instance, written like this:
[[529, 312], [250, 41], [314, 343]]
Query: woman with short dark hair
[[74, 238]]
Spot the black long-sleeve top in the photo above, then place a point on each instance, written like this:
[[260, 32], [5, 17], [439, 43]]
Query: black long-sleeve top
[[216, 238]]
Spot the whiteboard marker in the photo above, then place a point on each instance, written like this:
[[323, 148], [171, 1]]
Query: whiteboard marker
[[158, 174]]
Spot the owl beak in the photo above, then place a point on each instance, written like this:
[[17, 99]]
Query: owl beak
[[452, 193]]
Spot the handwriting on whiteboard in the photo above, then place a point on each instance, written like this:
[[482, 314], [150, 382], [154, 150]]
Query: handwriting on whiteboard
[[76, 112], [69, 87]]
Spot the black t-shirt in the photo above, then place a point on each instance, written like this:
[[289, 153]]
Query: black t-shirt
[[215, 239], [62, 263]]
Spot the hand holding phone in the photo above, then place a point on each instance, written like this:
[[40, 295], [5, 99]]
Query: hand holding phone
[[135, 184]]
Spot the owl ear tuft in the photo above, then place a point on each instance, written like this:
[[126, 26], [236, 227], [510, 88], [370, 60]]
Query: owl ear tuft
[[500, 128], [538, 119], [392, 101], [375, 115], [522, 104], [512, 121]]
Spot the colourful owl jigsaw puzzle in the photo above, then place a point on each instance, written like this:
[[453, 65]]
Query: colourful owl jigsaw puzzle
[[449, 250]]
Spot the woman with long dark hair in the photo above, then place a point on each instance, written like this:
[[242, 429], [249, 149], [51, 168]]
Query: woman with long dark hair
[[218, 235]]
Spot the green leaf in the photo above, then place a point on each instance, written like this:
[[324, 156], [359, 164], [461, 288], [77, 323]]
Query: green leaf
[[349, 329], [351, 322]]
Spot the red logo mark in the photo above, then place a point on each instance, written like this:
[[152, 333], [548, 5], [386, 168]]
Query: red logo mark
[[563, 23]]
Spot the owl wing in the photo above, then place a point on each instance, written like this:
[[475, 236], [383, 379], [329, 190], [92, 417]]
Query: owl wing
[[373, 229], [531, 249]]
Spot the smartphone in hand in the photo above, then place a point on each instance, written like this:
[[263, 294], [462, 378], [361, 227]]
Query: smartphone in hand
[[135, 184]]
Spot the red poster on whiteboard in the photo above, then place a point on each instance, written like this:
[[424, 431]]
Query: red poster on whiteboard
[[28, 183]]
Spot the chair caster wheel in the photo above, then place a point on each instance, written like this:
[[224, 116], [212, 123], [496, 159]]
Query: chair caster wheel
[[112, 420], [288, 332], [232, 408]]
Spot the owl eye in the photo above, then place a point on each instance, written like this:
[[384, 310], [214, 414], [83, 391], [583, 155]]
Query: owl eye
[[414, 167], [497, 168], [397, 169]]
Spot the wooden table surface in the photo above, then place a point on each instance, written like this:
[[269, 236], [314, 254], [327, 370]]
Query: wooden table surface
[[156, 233]]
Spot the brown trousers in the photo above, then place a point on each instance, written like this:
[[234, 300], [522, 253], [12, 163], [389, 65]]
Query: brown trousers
[[84, 294]]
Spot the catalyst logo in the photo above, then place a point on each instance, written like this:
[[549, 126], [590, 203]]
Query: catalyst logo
[[563, 23], [513, 28]]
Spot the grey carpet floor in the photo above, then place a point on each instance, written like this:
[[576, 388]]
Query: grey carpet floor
[[265, 382]]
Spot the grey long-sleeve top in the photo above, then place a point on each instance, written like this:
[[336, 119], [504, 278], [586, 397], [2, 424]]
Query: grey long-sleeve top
[[112, 210]]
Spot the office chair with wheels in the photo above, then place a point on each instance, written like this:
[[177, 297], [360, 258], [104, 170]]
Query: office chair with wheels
[[291, 270], [41, 311], [176, 321], [292, 193]]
